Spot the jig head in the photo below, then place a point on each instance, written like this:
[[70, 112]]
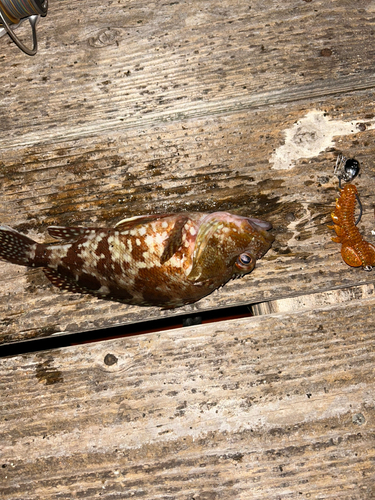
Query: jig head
[[347, 169]]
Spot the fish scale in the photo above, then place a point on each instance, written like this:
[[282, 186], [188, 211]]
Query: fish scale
[[165, 260]]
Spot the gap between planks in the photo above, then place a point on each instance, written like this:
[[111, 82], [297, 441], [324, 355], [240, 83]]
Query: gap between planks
[[329, 299], [314, 300]]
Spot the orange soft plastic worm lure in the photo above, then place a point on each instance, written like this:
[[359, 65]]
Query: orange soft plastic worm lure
[[355, 251]]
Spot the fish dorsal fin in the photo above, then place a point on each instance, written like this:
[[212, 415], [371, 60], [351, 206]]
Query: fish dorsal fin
[[138, 220], [68, 233], [174, 240]]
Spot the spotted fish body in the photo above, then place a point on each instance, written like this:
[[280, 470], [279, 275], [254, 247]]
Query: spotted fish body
[[155, 260]]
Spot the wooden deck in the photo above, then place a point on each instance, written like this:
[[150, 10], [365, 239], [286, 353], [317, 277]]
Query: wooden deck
[[136, 107]]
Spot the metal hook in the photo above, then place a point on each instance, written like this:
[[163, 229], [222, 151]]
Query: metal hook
[[360, 210]]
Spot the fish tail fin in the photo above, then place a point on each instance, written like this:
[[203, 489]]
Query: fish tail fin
[[17, 248]]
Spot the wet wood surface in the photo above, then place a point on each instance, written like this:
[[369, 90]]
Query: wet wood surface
[[277, 406], [136, 107], [129, 108]]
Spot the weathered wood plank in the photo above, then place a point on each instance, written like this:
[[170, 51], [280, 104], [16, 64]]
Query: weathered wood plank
[[181, 107], [127, 59], [185, 173], [279, 406]]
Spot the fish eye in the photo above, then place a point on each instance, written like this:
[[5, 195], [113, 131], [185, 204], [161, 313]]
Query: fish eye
[[245, 261]]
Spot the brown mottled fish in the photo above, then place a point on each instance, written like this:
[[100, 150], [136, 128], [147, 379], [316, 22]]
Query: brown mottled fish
[[163, 260]]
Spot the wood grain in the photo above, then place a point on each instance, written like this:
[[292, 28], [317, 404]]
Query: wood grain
[[130, 63], [135, 107], [278, 406], [146, 107]]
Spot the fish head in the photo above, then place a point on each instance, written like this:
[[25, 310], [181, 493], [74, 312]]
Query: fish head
[[227, 246]]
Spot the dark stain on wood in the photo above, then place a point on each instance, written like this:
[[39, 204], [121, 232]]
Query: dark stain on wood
[[47, 374]]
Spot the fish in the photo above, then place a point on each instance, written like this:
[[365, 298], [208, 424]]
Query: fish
[[163, 260]]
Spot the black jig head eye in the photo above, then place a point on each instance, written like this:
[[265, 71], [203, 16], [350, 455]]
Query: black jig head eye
[[346, 169], [351, 169]]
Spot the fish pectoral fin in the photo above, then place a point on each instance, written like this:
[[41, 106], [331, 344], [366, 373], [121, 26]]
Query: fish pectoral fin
[[138, 220], [62, 282], [174, 240], [85, 284], [68, 233]]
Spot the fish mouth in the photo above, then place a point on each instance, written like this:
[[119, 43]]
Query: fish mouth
[[259, 225], [262, 227]]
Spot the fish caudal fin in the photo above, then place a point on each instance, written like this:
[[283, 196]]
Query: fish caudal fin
[[16, 247]]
